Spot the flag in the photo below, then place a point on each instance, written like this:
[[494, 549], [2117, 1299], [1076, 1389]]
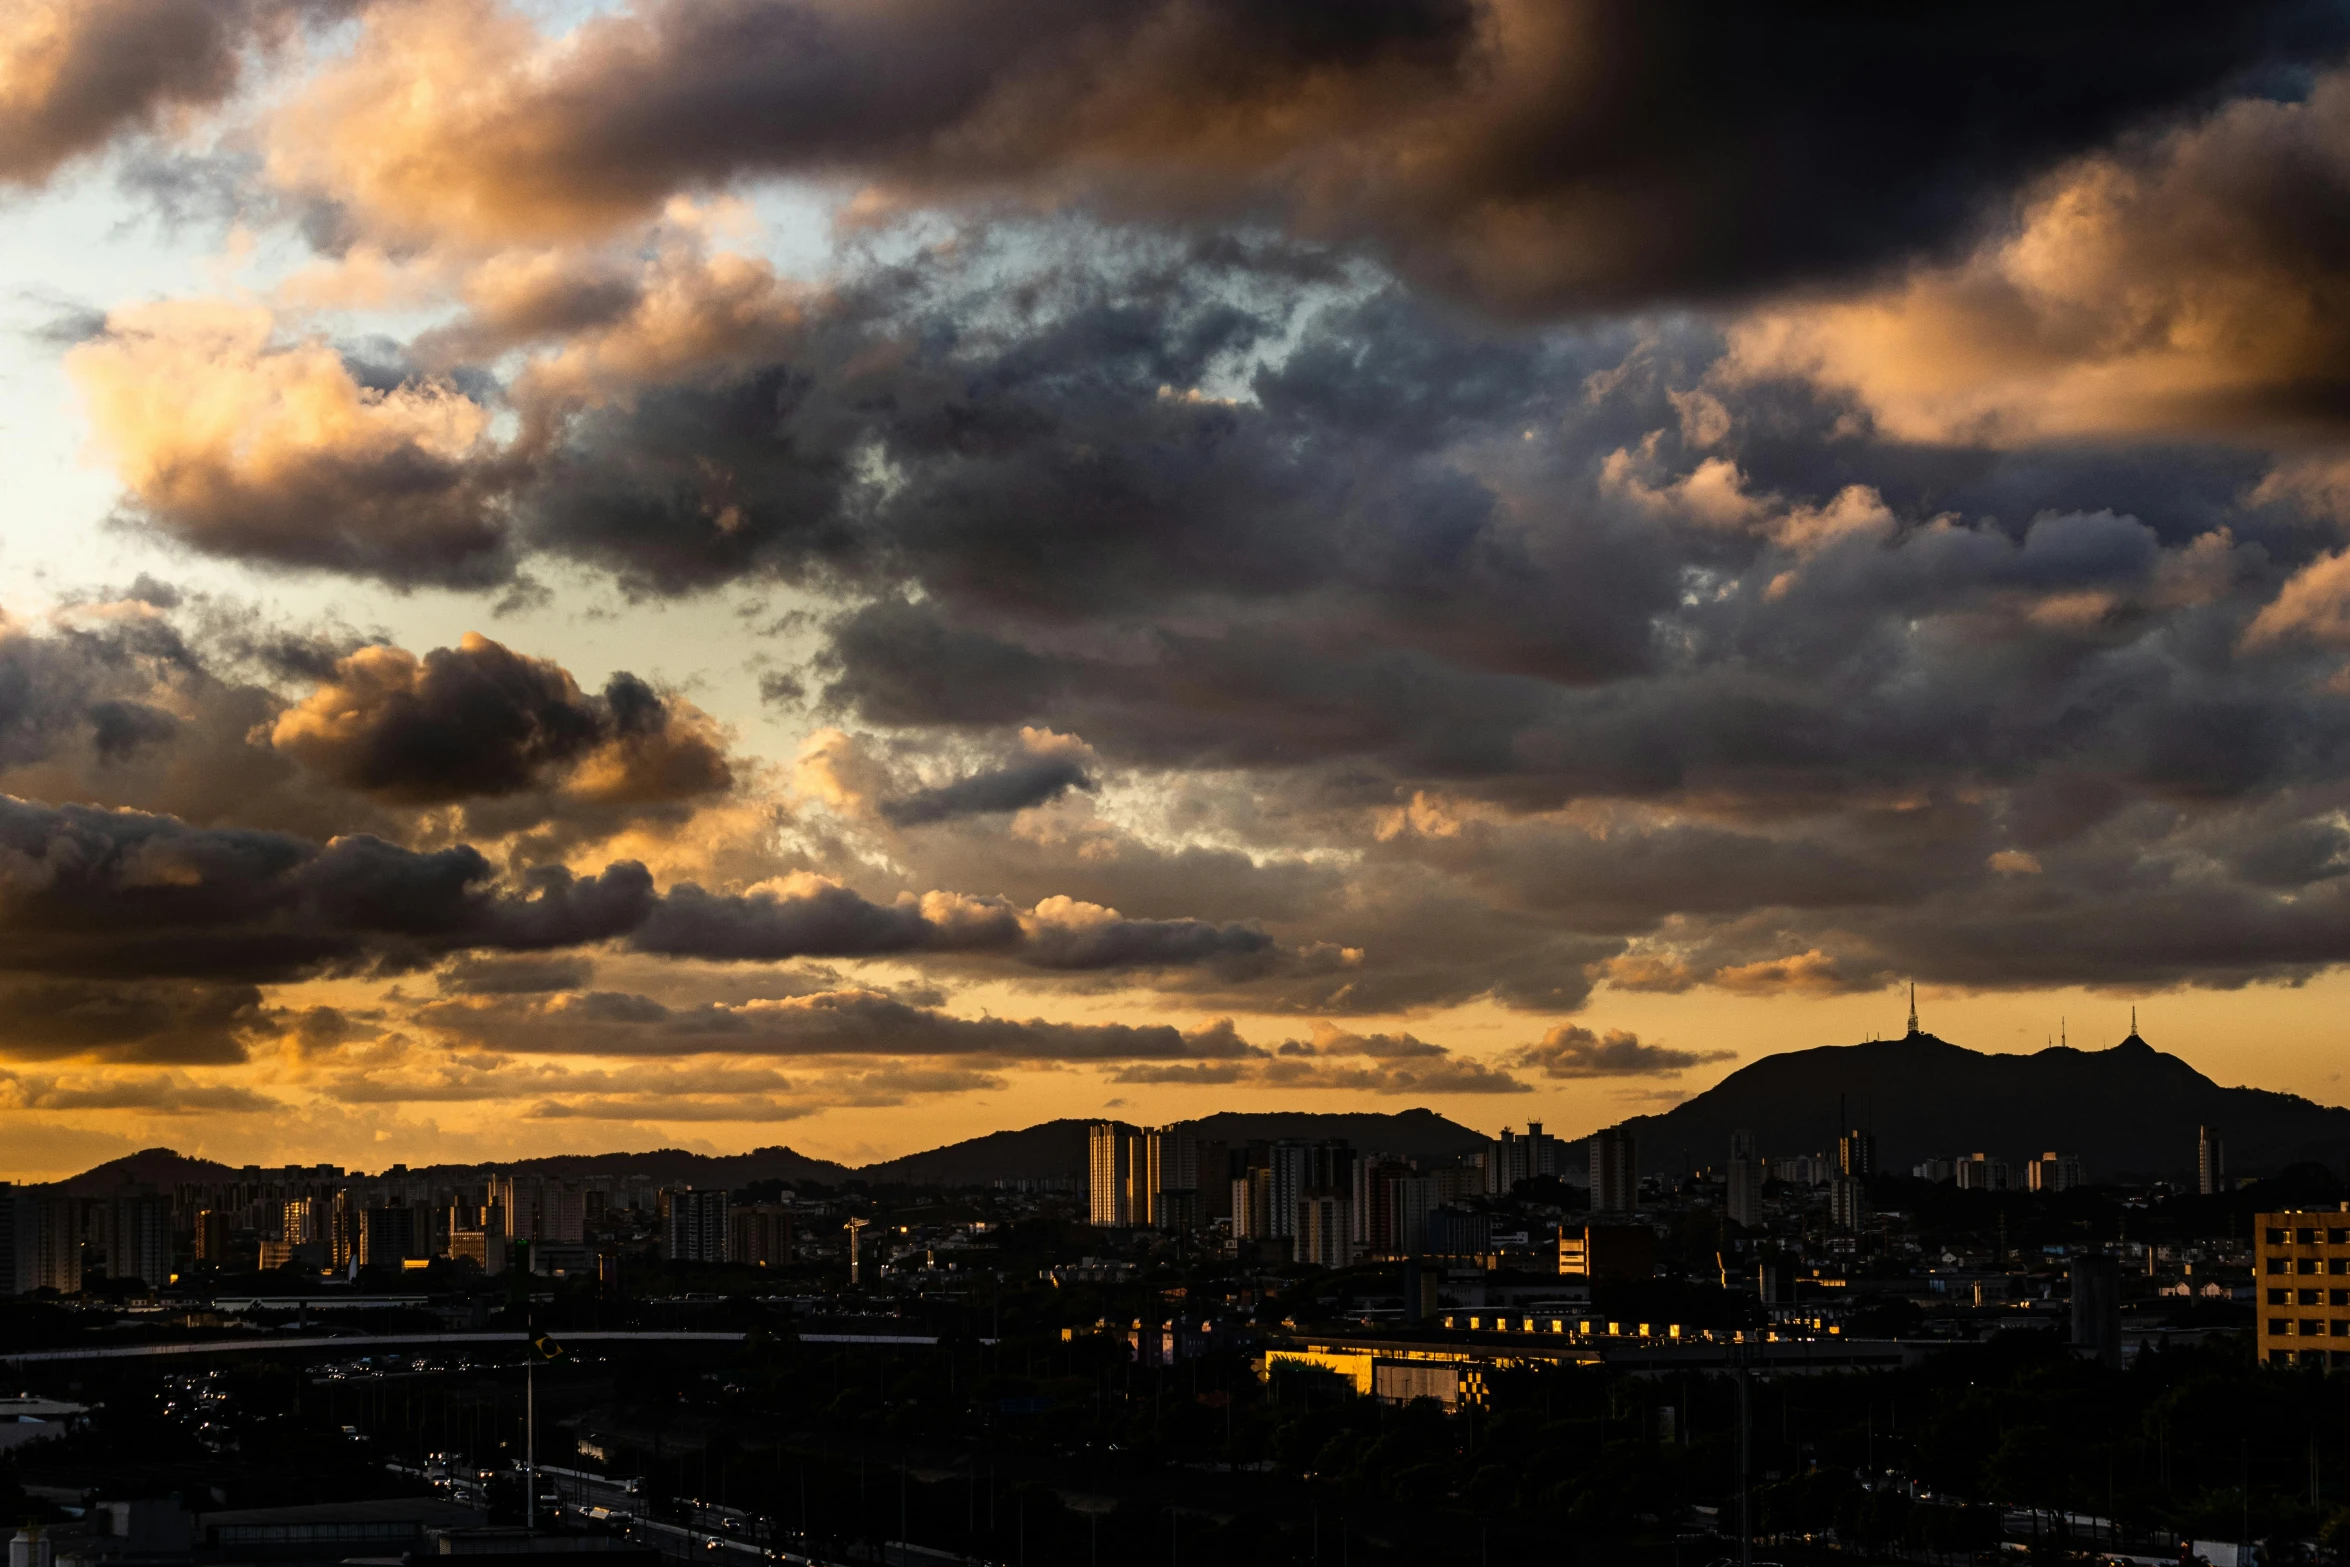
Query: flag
[[544, 1347]]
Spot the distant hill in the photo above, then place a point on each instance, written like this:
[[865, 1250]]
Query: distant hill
[[2130, 1110], [158, 1167], [1058, 1147], [1054, 1148], [671, 1164]]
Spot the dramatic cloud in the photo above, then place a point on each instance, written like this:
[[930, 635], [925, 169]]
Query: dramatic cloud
[[1571, 1051], [812, 916], [1012, 788], [2191, 281], [480, 720], [1333, 1058], [119, 893], [1530, 154], [165, 1093], [830, 1023], [233, 442], [76, 73]]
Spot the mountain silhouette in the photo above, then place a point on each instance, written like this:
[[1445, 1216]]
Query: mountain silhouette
[[1046, 1151], [2128, 1111]]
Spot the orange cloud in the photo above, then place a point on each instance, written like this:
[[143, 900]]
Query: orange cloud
[[2178, 283], [233, 441]]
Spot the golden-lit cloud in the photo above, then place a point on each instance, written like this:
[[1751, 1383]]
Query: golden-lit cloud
[[227, 437], [2177, 283]]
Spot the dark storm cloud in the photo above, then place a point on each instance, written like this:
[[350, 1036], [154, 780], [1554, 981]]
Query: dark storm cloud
[[117, 728], [1571, 1051], [812, 917], [125, 894], [1016, 787], [1528, 154], [149, 1021], [481, 720], [829, 1023], [479, 974], [819, 919]]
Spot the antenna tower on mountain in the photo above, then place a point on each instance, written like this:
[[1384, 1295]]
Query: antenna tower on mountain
[[1913, 1009]]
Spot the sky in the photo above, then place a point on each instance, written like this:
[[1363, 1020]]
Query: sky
[[851, 573]]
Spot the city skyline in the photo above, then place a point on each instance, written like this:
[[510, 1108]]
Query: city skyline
[[585, 575]]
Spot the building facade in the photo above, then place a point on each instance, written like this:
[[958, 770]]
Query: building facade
[[1615, 1172], [2301, 1265], [760, 1234], [1979, 1172], [2053, 1172], [1511, 1158], [2211, 1161], [1742, 1183], [693, 1226]]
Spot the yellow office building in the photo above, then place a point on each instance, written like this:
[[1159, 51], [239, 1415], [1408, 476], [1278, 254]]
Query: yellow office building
[[2302, 1267]]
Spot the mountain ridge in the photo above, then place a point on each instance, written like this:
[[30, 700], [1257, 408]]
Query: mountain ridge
[[1045, 1151], [2126, 1110]]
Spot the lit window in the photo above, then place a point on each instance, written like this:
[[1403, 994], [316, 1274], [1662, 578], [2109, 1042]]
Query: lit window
[[2279, 1327], [2280, 1297], [2276, 1237], [2280, 1264]]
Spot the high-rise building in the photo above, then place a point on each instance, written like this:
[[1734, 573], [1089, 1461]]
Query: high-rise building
[[693, 1225], [1510, 1158], [20, 1239], [1856, 1154], [301, 1219], [392, 1235], [1979, 1172], [211, 1236], [1848, 1203], [1933, 1170], [1615, 1172], [2097, 1308], [538, 1210], [2211, 1161], [1375, 1188], [59, 1263], [1413, 1198], [1110, 1147], [134, 1231], [1325, 1228], [483, 1244], [1292, 1166], [760, 1234], [1252, 1204], [342, 1225], [1742, 1183], [1167, 1165], [2299, 1259], [2053, 1172]]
